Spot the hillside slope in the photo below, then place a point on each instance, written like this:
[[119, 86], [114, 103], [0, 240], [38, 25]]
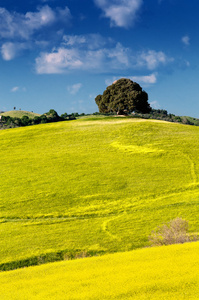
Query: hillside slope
[[158, 273], [20, 114], [94, 186]]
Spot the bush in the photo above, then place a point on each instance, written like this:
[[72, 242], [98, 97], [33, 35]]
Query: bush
[[175, 232]]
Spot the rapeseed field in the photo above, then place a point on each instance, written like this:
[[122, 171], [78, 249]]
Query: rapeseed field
[[94, 186], [167, 272]]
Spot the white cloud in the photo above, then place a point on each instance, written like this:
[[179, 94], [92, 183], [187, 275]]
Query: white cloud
[[153, 59], [91, 41], [71, 40], [186, 40], [74, 89], [76, 53], [8, 51], [58, 61], [17, 30], [35, 20], [119, 55], [100, 60], [155, 104], [145, 80], [69, 56], [11, 50], [15, 89], [122, 13], [16, 25]]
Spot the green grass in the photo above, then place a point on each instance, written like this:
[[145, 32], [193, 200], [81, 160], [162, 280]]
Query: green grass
[[169, 272], [19, 114], [99, 185], [193, 120]]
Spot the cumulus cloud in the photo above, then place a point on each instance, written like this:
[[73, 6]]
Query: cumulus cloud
[[91, 41], [142, 80], [10, 50], [35, 20], [71, 56], [74, 89], [120, 55], [153, 59], [58, 61], [147, 79], [186, 40], [122, 13], [15, 25], [17, 30], [105, 55]]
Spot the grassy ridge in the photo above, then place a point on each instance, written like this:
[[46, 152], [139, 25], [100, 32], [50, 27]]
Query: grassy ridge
[[157, 273], [19, 114], [97, 185]]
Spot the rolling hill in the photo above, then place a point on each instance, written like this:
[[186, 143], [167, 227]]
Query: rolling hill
[[19, 114], [169, 272], [93, 186]]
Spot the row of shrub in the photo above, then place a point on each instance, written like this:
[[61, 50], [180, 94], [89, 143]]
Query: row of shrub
[[48, 258], [51, 116], [160, 114]]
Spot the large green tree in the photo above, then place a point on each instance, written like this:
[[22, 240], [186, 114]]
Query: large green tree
[[123, 96]]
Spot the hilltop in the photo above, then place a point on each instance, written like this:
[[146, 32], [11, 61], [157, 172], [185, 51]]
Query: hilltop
[[20, 114]]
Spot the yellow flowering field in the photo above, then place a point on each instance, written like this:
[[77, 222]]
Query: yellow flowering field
[[167, 272], [93, 186]]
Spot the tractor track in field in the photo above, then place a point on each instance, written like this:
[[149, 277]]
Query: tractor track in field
[[192, 168], [105, 226]]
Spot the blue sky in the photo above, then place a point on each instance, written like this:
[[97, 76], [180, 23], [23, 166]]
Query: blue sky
[[61, 54]]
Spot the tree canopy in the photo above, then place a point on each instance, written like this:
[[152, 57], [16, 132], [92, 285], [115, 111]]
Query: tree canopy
[[123, 96]]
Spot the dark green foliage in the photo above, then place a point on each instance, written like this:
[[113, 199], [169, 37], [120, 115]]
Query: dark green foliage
[[64, 116], [48, 258], [51, 116], [161, 114], [72, 116], [37, 120], [25, 121], [123, 97]]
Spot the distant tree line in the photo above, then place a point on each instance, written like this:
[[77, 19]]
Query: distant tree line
[[159, 114], [52, 116], [49, 117]]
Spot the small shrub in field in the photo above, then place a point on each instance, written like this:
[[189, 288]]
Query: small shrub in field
[[175, 232]]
